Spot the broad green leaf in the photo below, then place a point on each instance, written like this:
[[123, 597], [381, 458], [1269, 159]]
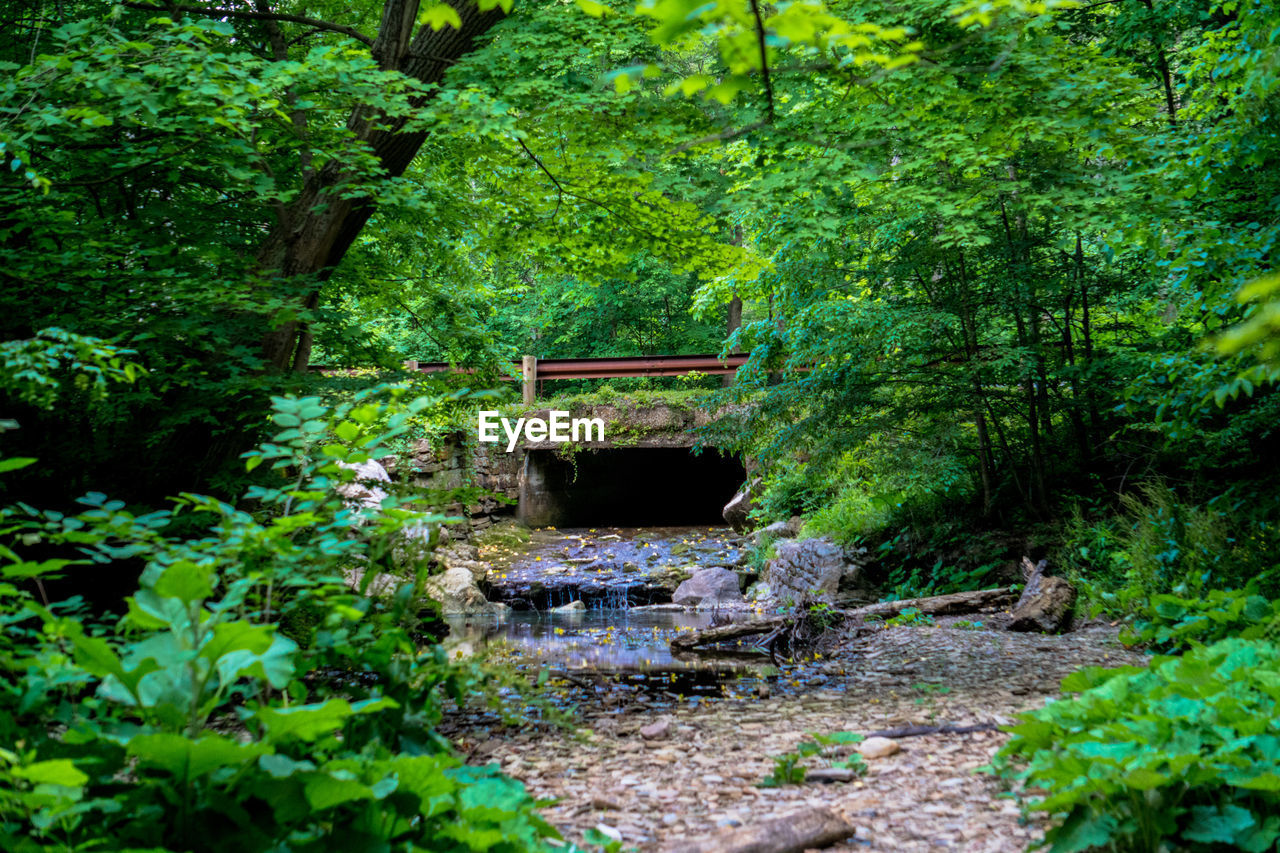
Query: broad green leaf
[[185, 581], [186, 758], [58, 771]]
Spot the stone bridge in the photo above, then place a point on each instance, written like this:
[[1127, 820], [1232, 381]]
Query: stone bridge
[[644, 473]]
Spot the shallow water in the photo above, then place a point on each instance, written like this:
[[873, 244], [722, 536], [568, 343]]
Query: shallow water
[[618, 574], [599, 640], [608, 568]]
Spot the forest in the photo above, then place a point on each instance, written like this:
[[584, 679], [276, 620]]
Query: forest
[[1002, 278]]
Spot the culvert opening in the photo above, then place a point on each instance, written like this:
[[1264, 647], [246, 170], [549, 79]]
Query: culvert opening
[[627, 487]]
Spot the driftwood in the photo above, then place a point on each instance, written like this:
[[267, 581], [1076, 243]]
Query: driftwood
[[1046, 603], [793, 833], [830, 774], [724, 633], [956, 602], [917, 731], [940, 605]]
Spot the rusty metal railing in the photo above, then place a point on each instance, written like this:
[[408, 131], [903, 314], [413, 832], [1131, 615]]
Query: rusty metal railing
[[530, 370]]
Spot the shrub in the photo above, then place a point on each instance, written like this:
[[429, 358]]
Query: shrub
[[1171, 622], [194, 723], [1159, 543], [1184, 754]]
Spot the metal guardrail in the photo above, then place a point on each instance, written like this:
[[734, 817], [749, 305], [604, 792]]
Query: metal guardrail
[[531, 369]]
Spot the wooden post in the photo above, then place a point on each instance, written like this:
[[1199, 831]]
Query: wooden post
[[529, 378], [411, 364]]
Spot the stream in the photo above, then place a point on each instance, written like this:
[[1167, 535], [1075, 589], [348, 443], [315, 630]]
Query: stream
[[617, 583]]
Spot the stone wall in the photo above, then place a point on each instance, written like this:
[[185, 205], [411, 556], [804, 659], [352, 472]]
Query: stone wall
[[459, 460]]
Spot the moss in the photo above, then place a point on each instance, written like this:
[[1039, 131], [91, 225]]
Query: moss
[[503, 535]]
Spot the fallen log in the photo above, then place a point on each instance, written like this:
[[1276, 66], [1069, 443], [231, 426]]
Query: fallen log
[[938, 605], [793, 833], [917, 731], [725, 633]]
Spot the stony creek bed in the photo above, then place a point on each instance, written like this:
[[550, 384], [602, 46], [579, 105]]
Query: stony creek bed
[[711, 728]]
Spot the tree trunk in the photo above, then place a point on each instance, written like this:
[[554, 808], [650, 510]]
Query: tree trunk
[[318, 228]]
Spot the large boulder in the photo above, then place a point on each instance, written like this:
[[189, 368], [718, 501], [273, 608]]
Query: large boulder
[[805, 569], [779, 530], [458, 594], [364, 492], [736, 510], [709, 587]]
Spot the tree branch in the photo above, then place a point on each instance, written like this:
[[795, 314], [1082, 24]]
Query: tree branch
[[256, 16], [764, 58], [547, 172]]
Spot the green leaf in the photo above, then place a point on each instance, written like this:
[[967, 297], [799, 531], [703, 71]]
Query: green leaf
[[185, 581], [1083, 830], [325, 791], [1218, 825], [308, 722], [14, 463], [275, 664], [58, 771], [439, 16], [186, 759]]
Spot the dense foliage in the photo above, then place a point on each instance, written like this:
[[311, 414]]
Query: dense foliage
[[1005, 271], [249, 698], [1178, 755]]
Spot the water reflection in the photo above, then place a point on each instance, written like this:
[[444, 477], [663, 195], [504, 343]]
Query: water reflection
[[602, 640]]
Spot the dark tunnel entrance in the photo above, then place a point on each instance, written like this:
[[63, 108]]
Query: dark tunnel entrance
[[627, 487]]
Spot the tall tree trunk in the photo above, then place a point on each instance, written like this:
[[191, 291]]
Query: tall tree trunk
[[318, 228], [969, 333], [1018, 270]]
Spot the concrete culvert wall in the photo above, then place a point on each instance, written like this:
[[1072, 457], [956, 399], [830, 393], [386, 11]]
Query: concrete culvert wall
[[627, 487]]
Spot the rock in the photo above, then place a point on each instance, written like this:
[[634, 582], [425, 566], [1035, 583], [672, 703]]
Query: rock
[[571, 607], [361, 492], [708, 587], [1046, 602], [805, 569], [609, 831], [605, 804], [735, 511], [655, 731], [777, 530], [382, 583], [878, 747], [457, 593]]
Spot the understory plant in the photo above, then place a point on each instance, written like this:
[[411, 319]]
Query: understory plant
[[1181, 755], [1161, 543], [789, 769], [249, 699], [1173, 622]]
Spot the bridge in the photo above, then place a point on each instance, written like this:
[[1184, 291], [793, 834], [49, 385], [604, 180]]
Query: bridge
[[530, 370]]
